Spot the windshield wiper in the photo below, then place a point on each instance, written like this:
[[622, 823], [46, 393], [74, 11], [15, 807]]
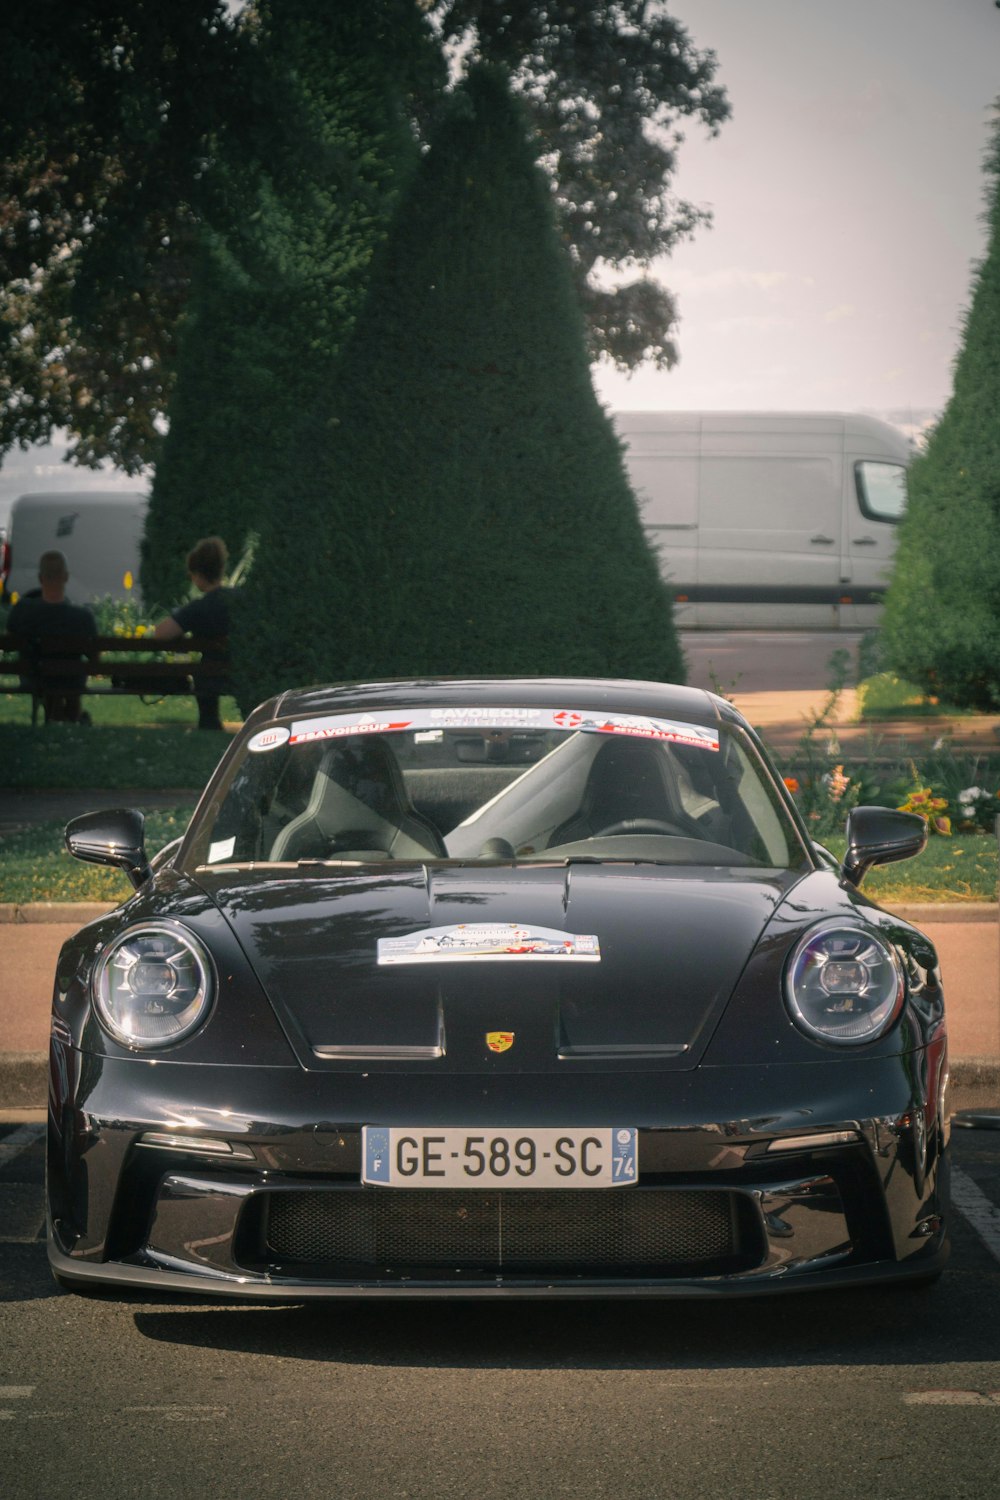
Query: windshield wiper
[[602, 859]]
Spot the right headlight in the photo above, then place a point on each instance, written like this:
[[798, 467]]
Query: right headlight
[[153, 985], [844, 984]]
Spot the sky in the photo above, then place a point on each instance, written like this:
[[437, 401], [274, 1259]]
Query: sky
[[847, 192]]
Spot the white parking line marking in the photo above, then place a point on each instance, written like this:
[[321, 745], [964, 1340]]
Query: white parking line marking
[[11, 1393], [19, 1140], [177, 1413], [973, 1204], [953, 1398]]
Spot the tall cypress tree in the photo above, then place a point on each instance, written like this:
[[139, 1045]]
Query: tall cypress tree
[[469, 512], [942, 617]]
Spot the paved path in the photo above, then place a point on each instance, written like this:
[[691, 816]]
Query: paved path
[[783, 717]]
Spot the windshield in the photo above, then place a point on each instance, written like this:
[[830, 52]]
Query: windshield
[[489, 784]]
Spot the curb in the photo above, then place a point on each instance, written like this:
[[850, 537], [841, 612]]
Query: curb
[[976, 1073], [76, 912], [921, 912], [975, 1081], [24, 1080]]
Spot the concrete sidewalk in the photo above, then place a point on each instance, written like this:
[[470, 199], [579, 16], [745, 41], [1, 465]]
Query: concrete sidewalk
[[967, 938]]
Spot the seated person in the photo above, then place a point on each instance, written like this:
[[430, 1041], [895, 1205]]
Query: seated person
[[41, 621], [208, 617]]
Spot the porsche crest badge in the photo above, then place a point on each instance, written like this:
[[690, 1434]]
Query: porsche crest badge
[[499, 1041]]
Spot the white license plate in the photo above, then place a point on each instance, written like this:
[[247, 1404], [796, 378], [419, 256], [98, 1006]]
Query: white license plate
[[483, 1158]]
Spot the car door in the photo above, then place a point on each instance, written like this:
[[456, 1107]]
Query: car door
[[770, 532], [875, 501]]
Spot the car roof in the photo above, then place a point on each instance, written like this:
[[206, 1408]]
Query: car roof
[[594, 695]]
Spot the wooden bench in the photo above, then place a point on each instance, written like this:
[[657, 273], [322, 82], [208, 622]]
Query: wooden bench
[[104, 661]]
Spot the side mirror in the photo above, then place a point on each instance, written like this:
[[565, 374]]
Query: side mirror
[[111, 838], [878, 836]]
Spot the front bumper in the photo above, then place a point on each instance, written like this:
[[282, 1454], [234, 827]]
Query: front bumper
[[763, 1202]]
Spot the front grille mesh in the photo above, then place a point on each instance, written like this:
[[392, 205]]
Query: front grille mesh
[[634, 1229]]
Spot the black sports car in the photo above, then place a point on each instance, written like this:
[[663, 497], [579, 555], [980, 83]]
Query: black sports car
[[491, 988]]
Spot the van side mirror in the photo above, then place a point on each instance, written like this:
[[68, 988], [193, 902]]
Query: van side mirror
[[111, 838], [879, 836]]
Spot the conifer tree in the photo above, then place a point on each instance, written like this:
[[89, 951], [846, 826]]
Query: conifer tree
[[469, 512], [941, 627]]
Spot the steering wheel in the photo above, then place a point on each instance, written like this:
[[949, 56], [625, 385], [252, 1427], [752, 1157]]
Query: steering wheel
[[637, 825]]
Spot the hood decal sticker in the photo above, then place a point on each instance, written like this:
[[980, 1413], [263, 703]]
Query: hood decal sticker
[[489, 940]]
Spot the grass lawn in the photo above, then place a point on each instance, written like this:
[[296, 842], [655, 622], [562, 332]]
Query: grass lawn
[[885, 696], [129, 745], [134, 746], [962, 867], [36, 866]]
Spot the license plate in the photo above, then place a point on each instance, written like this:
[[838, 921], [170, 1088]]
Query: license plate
[[458, 1158]]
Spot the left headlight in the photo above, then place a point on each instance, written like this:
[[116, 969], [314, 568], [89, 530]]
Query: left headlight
[[153, 985], [844, 984]]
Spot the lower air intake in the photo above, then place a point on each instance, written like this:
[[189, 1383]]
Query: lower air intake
[[629, 1231]]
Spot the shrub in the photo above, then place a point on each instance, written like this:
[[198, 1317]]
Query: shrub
[[941, 626], [468, 511]]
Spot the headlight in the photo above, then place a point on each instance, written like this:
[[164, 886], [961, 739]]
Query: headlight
[[844, 984], [153, 985]]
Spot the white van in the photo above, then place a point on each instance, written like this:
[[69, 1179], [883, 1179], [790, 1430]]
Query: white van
[[99, 531], [768, 520]]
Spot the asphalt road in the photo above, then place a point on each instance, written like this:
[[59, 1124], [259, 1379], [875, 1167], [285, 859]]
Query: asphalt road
[[875, 1393], [758, 661]]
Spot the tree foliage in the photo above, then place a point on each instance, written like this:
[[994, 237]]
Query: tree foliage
[[109, 108], [606, 83], [129, 129], [942, 616], [276, 292], [467, 510]]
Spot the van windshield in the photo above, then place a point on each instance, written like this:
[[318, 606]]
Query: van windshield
[[482, 785]]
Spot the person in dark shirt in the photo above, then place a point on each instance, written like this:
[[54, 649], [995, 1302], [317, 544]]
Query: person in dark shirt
[[38, 620], [207, 617]]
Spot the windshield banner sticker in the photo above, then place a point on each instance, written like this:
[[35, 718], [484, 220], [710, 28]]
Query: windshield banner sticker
[[488, 940], [336, 726], [339, 725], [703, 736]]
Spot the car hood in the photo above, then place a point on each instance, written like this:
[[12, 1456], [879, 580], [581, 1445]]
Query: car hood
[[485, 969]]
